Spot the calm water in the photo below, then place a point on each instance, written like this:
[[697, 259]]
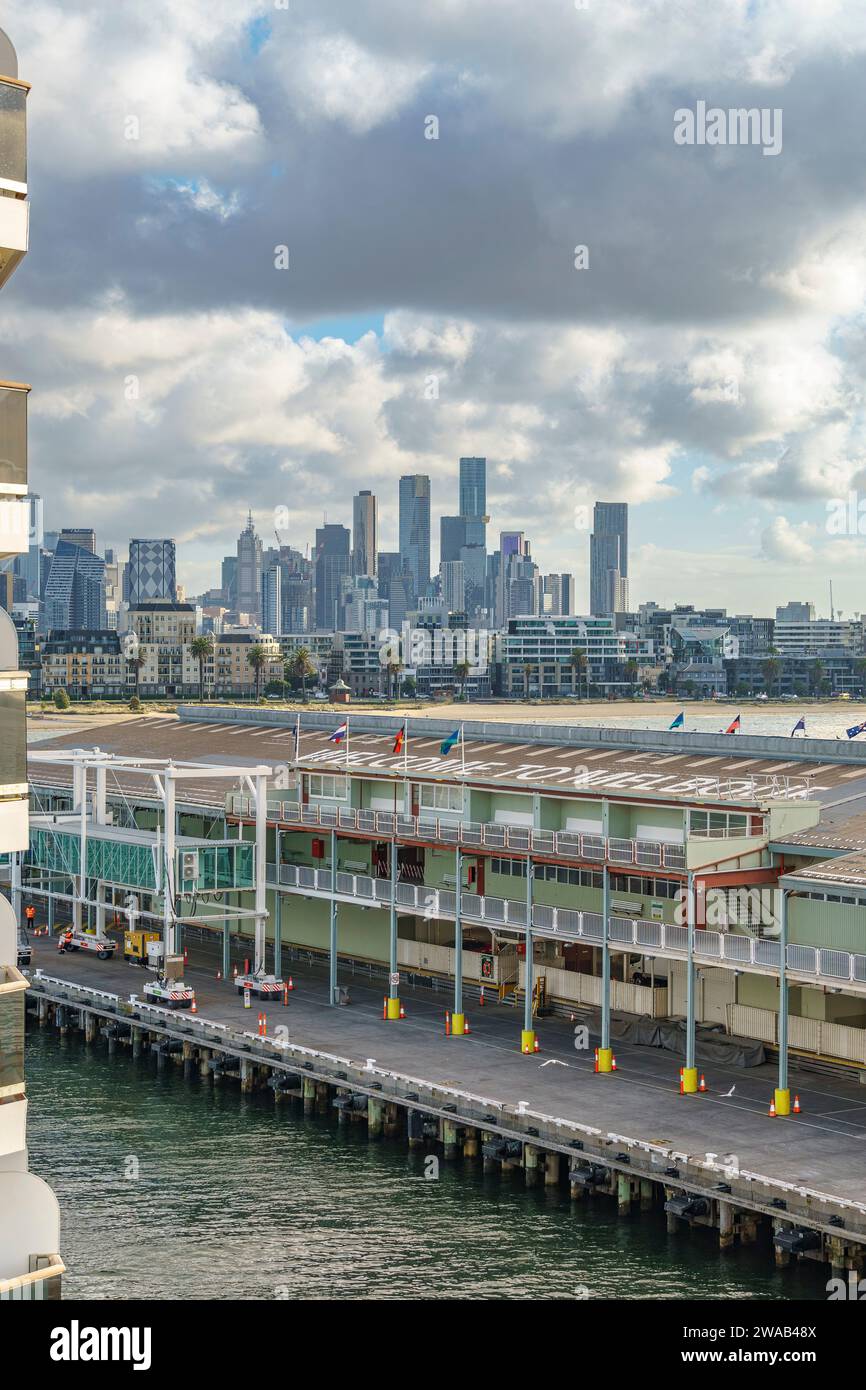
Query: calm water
[[236, 1201]]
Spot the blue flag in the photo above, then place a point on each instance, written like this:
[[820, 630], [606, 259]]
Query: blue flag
[[857, 729], [800, 724], [449, 742], [679, 721]]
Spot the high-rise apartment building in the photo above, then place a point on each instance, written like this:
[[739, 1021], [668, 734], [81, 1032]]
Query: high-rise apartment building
[[272, 601], [608, 559], [75, 589], [559, 594], [333, 561], [452, 578], [151, 573], [30, 1267], [473, 500], [85, 536], [364, 535], [415, 530]]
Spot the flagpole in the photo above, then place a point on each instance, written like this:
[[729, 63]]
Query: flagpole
[[347, 742], [406, 749], [462, 753]]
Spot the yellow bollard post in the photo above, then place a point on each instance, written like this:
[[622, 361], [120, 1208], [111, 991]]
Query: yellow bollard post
[[458, 1025], [690, 1081], [605, 1059], [527, 1039], [393, 1008], [783, 1102]]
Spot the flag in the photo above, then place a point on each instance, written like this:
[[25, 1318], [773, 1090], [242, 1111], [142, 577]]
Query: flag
[[449, 742], [734, 726], [339, 734], [857, 729], [800, 725], [679, 722], [398, 741], [297, 739]]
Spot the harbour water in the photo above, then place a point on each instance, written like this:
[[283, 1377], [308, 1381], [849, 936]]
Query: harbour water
[[174, 1189]]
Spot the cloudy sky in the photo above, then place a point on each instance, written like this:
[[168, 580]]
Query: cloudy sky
[[707, 365]]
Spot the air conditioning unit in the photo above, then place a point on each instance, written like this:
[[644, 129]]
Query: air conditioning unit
[[189, 865]]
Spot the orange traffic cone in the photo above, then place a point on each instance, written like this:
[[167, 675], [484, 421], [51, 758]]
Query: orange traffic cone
[[613, 1064], [703, 1084], [264, 1025], [402, 1012], [466, 1026], [219, 975], [682, 1085], [285, 994], [385, 1007], [234, 972], [447, 1023], [536, 1048], [596, 1060], [291, 983], [481, 998], [773, 1108], [796, 1105], [192, 1008]]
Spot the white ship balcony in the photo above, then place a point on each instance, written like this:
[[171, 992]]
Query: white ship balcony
[[14, 211], [13, 1128], [13, 439]]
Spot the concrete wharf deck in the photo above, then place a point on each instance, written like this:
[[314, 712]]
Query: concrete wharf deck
[[806, 1171]]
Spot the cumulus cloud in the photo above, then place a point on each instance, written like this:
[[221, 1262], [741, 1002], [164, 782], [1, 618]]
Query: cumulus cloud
[[713, 344]]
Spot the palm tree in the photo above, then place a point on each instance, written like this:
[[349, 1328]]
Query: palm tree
[[527, 672], [816, 676], [201, 648], [462, 668], [771, 668], [300, 665], [577, 662], [257, 658], [393, 669], [631, 673]]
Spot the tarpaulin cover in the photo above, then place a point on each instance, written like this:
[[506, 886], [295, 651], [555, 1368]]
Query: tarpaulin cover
[[711, 1045]]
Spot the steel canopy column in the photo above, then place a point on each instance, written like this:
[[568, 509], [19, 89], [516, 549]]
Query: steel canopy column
[[527, 1037], [458, 1018], [261, 906], [278, 910], [690, 1072], [604, 1061], [783, 1094], [332, 957], [393, 1006], [168, 884]]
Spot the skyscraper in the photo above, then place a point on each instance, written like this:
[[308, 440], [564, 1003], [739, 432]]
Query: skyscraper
[[272, 601], [453, 580], [152, 571], [452, 537], [415, 529], [248, 584], [75, 589], [473, 500], [608, 559], [332, 563], [364, 535]]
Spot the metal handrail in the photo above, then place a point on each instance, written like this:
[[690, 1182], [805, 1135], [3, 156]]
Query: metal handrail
[[572, 924], [566, 844]]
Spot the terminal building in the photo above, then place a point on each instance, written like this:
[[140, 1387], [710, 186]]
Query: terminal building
[[640, 874]]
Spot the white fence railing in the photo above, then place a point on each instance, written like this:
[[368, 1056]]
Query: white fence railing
[[569, 924], [808, 1034], [519, 839]]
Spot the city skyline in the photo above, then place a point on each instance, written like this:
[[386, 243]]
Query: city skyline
[[711, 385]]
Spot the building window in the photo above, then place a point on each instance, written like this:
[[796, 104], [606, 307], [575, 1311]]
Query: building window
[[440, 797], [327, 787]]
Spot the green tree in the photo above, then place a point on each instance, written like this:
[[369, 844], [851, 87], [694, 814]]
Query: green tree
[[257, 658], [817, 680], [300, 666], [61, 699], [462, 668], [201, 648], [578, 663], [631, 674], [771, 669]]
